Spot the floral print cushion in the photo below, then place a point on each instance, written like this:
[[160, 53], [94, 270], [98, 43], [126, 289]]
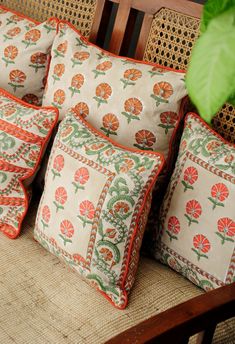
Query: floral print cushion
[[197, 234], [95, 204], [24, 54], [133, 102], [24, 132]]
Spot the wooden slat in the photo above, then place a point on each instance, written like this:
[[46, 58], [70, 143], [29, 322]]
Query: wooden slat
[[183, 320], [97, 20], [129, 33], [143, 37], [152, 6], [120, 26]]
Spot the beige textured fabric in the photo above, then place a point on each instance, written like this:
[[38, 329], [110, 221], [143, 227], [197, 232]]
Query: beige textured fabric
[[43, 302]]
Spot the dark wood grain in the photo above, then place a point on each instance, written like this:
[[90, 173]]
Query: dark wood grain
[[184, 320]]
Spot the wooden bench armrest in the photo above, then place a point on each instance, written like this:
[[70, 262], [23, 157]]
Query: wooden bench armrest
[[184, 320]]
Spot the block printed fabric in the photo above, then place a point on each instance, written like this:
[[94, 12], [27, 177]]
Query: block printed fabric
[[95, 205], [197, 232], [24, 54], [24, 132]]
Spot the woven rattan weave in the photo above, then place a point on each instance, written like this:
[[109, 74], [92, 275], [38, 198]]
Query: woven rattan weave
[[170, 42], [79, 12]]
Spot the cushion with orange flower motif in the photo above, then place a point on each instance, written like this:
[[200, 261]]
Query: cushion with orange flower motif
[[133, 102], [197, 231], [95, 204], [24, 54], [24, 132]]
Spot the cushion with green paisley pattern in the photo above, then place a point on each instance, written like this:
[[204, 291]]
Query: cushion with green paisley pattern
[[95, 204], [197, 231], [24, 132]]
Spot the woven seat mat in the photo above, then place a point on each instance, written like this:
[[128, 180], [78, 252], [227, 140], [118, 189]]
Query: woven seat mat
[[43, 301]]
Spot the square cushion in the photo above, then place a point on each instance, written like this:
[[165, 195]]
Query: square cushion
[[24, 54], [95, 204], [197, 232], [134, 102], [24, 132]]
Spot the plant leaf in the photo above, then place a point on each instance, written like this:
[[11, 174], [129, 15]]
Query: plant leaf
[[231, 99], [212, 9], [211, 73]]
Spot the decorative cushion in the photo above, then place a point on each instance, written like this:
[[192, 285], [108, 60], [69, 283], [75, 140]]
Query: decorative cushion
[[197, 234], [134, 102], [24, 54], [24, 132], [95, 205]]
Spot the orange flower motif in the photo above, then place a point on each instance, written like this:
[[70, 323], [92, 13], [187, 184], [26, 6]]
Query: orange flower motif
[[145, 139], [161, 92], [103, 92], [102, 68], [106, 254], [157, 71], [58, 71], [46, 215], [60, 198], [10, 53], [226, 229], [76, 83], [61, 49], [31, 37], [219, 193], [193, 210], [17, 78], [67, 230], [14, 19], [81, 177], [121, 208], [58, 166], [126, 165], [87, 211], [79, 57], [169, 120], [31, 99], [59, 98], [38, 61], [202, 246], [190, 177], [173, 227], [12, 33], [110, 124], [229, 159], [81, 109], [131, 75], [133, 108], [213, 146]]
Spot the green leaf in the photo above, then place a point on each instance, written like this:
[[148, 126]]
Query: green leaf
[[211, 73], [231, 99], [212, 9]]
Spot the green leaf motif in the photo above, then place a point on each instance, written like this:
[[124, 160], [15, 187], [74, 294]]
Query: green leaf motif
[[211, 73]]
